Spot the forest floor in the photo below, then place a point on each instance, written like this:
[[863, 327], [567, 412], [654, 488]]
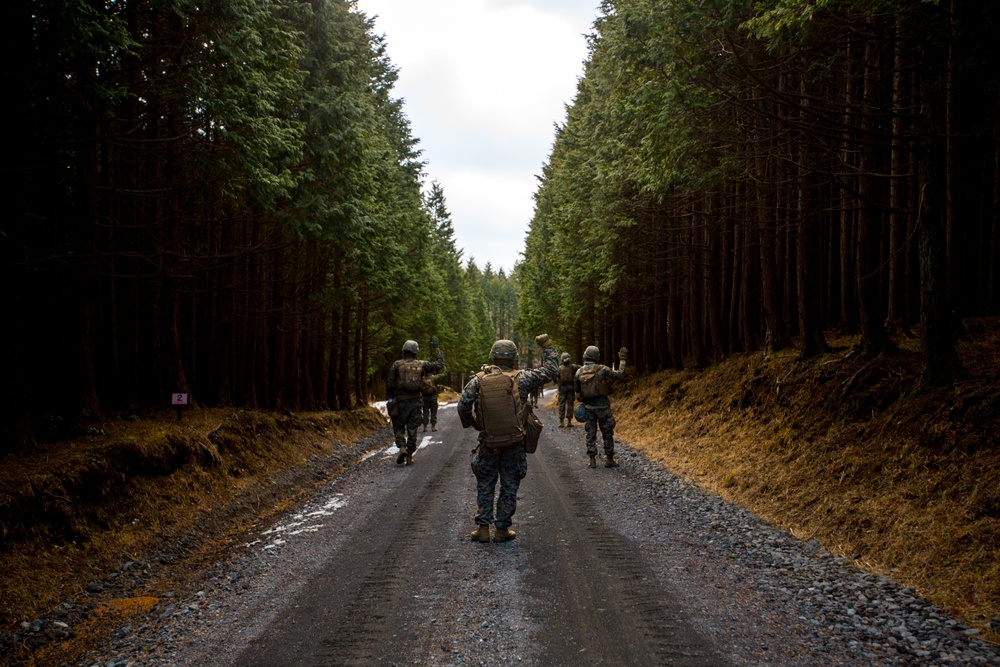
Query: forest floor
[[842, 449]]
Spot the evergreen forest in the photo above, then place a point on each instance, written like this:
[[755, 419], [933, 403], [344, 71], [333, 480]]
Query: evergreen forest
[[750, 175], [225, 199], [221, 198]]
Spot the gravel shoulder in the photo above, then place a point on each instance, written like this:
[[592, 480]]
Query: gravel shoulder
[[630, 564]]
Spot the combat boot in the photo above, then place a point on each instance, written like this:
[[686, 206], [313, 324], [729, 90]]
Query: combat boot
[[561, 424], [425, 428], [481, 534], [593, 462], [402, 456], [569, 424], [409, 459], [503, 534], [434, 428], [610, 462]]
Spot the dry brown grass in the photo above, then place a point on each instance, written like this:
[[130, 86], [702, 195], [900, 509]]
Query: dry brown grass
[[76, 510], [848, 451]]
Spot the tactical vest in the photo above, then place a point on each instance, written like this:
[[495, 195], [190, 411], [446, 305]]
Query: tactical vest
[[591, 385], [566, 374], [499, 408], [409, 375]]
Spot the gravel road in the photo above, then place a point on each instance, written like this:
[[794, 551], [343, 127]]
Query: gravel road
[[626, 566]]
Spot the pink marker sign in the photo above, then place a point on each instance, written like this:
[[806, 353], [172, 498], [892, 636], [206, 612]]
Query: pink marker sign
[[179, 399]]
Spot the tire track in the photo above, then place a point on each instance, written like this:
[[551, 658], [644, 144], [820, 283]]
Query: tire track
[[353, 612], [600, 583]]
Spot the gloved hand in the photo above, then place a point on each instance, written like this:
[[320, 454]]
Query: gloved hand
[[621, 354], [434, 343], [543, 341]]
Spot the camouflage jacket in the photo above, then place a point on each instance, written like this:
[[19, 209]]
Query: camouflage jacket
[[605, 373], [429, 367], [528, 379]]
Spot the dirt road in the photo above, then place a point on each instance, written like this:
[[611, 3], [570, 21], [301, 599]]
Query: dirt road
[[569, 590], [626, 566]]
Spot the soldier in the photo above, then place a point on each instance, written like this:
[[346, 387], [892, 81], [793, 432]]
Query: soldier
[[533, 396], [593, 384], [567, 389], [403, 388], [430, 390], [486, 405]]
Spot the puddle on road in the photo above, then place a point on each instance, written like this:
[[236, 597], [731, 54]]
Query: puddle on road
[[307, 521]]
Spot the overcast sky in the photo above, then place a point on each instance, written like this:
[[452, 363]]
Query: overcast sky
[[484, 82]]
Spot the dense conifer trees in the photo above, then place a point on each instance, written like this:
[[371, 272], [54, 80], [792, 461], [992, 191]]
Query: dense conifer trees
[[220, 198], [733, 174]]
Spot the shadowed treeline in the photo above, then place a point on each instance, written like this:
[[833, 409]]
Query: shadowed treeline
[[220, 198], [734, 174]]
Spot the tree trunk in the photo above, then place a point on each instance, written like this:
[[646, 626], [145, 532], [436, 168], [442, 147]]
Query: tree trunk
[[896, 315], [873, 334], [940, 358]]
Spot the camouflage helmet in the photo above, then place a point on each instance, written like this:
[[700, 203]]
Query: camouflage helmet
[[504, 350], [411, 347], [565, 357], [591, 353]]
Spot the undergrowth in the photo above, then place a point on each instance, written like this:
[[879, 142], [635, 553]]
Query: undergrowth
[[850, 451]]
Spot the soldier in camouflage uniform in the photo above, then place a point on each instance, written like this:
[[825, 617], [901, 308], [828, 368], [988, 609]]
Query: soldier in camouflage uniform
[[430, 390], [510, 464], [597, 408], [407, 398], [567, 390]]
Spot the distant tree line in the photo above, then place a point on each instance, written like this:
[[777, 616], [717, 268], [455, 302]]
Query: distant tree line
[[221, 198], [736, 173]]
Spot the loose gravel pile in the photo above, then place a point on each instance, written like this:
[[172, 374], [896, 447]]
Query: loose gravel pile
[[762, 596]]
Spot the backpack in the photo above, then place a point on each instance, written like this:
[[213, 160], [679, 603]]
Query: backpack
[[499, 409], [590, 385], [410, 374], [427, 385], [566, 374]]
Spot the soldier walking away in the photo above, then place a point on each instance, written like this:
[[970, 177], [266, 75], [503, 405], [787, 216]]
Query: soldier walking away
[[567, 389], [593, 384], [429, 389], [535, 391], [494, 402], [403, 388]]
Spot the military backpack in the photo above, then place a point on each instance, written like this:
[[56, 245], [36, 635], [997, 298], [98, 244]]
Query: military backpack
[[427, 385], [592, 385], [566, 374], [498, 408], [411, 371]]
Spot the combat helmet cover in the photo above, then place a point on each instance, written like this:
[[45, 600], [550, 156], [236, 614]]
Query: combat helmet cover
[[504, 350], [565, 357], [412, 347], [591, 353]]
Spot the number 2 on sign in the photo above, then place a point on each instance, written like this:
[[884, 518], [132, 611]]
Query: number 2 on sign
[[180, 399]]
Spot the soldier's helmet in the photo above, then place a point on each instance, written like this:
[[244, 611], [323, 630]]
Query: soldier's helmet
[[565, 357], [591, 353], [504, 350], [411, 347]]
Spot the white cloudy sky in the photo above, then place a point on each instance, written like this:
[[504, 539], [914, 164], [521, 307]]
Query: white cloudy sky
[[484, 82]]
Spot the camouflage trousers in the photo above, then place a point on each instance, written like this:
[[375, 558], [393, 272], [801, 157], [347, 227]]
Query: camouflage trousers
[[430, 411], [566, 395], [406, 423], [509, 465], [600, 417]]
